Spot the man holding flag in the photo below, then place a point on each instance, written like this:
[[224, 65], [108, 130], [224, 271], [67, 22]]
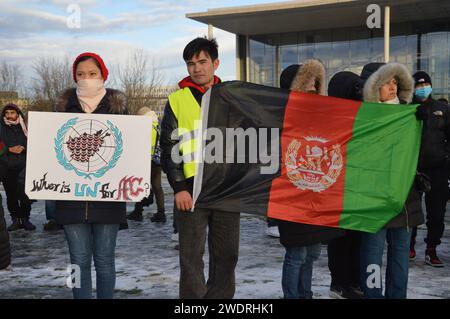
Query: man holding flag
[[181, 119]]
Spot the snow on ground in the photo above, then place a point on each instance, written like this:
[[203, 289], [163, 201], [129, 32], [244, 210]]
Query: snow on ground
[[147, 263]]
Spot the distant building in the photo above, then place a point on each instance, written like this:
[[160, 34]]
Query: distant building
[[156, 101], [9, 95], [270, 37], [161, 95]]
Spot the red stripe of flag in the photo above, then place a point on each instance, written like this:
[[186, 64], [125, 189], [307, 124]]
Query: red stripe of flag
[[308, 194]]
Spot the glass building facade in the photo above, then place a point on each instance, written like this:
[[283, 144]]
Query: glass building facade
[[424, 45]]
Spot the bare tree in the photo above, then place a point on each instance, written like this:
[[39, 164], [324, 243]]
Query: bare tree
[[140, 78], [53, 76], [10, 77]]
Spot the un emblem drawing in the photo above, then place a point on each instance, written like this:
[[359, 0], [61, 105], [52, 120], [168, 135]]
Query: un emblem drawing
[[88, 147]]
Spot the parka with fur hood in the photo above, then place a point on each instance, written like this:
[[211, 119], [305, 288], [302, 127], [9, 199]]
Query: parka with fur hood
[[384, 74], [305, 78], [411, 214]]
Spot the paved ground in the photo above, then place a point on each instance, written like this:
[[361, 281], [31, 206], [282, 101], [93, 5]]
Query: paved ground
[[147, 263]]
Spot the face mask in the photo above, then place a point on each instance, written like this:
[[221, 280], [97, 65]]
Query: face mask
[[90, 88], [423, 93]]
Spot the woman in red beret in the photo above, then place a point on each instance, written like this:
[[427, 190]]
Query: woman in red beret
[[91, 227]]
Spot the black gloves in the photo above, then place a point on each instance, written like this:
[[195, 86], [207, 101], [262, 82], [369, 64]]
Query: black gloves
[[423, 183], [421, 112]]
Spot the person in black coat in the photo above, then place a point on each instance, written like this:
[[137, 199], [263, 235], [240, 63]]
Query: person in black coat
[[219, 227], [343, 252], [14, 134], [434, 160], [302, 241], [91, 227], [391, 84]]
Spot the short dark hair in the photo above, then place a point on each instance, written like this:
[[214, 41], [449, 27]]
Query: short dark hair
[[443, 100], [193, 48], [13, 107]]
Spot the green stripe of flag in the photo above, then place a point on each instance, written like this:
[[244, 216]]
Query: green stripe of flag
[[381, 164]]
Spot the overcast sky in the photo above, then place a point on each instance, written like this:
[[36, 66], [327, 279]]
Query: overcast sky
[[36, 28]]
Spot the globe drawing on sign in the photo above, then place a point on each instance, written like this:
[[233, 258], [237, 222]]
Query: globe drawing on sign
[[88, 147]]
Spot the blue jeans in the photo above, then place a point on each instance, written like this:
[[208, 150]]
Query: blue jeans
[[372, 247], [297, 271], [98, 240]]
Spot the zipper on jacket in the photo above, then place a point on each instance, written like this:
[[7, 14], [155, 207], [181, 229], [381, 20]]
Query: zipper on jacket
[[86, 211]]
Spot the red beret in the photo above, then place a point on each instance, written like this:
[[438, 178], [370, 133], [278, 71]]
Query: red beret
[[96, 57]]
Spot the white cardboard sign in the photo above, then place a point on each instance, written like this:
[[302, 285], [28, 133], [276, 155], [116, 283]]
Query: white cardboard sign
[[93, 157]]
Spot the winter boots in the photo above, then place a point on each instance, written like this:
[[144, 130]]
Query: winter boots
[[21, 223], [16, 225], [345, 292], [27, 225], [159, 217], [431, 257]]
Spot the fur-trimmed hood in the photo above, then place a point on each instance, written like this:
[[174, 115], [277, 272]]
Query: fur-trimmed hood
[[384, 74], [311, 73], [116, 100]]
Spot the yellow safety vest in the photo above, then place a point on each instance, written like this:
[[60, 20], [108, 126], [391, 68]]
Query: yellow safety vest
[[187, 111], [154, 135]]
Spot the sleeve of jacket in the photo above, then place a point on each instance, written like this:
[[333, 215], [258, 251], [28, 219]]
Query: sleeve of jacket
[[167, 142], [447, 124]]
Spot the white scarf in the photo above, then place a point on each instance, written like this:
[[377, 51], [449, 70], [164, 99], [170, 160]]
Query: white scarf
[[90, 92], [20, 121]]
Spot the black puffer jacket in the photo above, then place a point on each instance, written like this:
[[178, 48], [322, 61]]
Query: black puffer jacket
[[435, 149], [411, 214], [97, 212], [297, 234]]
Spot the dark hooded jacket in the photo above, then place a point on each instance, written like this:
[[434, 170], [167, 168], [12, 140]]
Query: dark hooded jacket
[[97, 212], [174, 171], [298, 234], [13, 135], [411, 214], [435, 148]]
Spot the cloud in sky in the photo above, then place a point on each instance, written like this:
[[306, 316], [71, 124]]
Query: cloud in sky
[[38, 28], [18, 21]]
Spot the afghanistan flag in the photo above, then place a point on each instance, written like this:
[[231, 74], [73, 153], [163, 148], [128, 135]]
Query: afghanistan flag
[[305, 158]]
